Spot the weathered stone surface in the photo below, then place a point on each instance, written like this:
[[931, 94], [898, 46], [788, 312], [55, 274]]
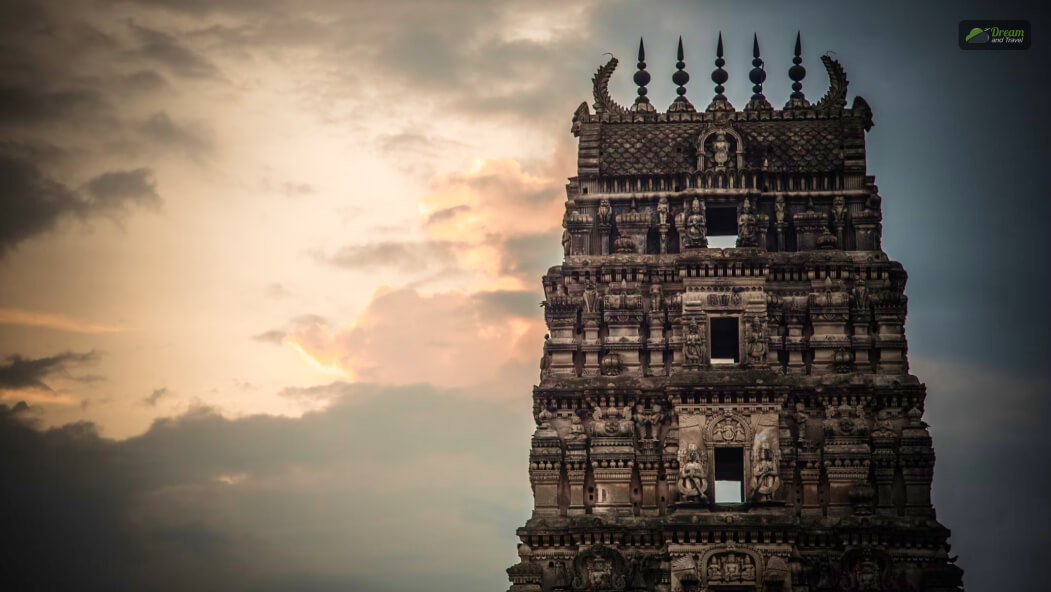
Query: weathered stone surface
[[787, 353]]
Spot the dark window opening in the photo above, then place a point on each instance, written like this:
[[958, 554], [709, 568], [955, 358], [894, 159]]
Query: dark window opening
[[722, 227], [729, 475], [725, 340]]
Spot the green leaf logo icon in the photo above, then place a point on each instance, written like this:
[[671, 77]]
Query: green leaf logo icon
[[977, 35]]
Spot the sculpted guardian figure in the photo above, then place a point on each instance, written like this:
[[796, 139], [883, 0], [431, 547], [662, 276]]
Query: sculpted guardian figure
[[765, 481], [693, 475], [696, 225]]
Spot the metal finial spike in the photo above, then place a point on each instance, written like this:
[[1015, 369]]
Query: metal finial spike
[[719, 77], [797, 72], [642, 77], [757, 75], [681, 76]]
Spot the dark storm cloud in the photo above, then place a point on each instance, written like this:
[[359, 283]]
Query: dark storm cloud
[[165, 49], [144, 81], [25, 105], [446, 214], [155, 396], [161, 129], [25, 373], [405, 256], [115, 190], [268, 503], [31, 202]]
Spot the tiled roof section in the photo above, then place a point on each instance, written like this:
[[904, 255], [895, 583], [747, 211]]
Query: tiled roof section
[[656, 148]]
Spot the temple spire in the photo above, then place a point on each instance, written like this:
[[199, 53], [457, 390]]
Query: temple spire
[[797, 72], [757, 75], [719, 77], [642, 78], [680, 78]]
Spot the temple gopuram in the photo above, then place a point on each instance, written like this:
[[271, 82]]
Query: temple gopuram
[[725, 401]]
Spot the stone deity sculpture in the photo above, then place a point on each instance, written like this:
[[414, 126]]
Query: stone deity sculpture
[[662, 211], [765, 481], [696, 225], [693, 475]]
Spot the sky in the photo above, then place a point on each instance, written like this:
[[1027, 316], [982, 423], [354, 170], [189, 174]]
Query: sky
[[269, 271]]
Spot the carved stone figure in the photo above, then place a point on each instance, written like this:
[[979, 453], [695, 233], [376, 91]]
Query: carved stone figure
[[746, 232], [779, 209], [696, 225], [605, 212], [720, 150], [567, 241], [728, 430], [756, 342], [860, 295], [655, 297], [590, 297], [576, 430], [662, 211], [693, 348], [693, 475], [765, 481], [839, 210]]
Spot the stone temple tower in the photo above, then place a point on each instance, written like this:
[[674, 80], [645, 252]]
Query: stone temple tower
[[725, 400]]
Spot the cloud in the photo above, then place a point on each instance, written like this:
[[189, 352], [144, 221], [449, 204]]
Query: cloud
[[29, 373], [152, 399], [271, 503], [493, 208], [406, 256], [165, 49], [30, 318], [115, 190], [449, 339], [160, 129], [32, 202]]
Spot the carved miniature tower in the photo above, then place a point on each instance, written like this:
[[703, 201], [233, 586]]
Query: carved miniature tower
[[725, 400]]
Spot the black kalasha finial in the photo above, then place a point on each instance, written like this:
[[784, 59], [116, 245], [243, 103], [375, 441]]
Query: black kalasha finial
[[719, 77], [758, 74], [681, 77], [797, 100], [797, 72], [642, 77]]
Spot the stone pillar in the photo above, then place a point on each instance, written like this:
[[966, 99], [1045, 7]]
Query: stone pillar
[[846, 453], [867, 231], [917, 465], [810, 477], [612, 456], [890, 336], [576, 462], [884, 463], [829, 310], [579, 226], [623, 316], [795, 342], [809, 225], [545, 468], [656, 343], [591, 345]]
